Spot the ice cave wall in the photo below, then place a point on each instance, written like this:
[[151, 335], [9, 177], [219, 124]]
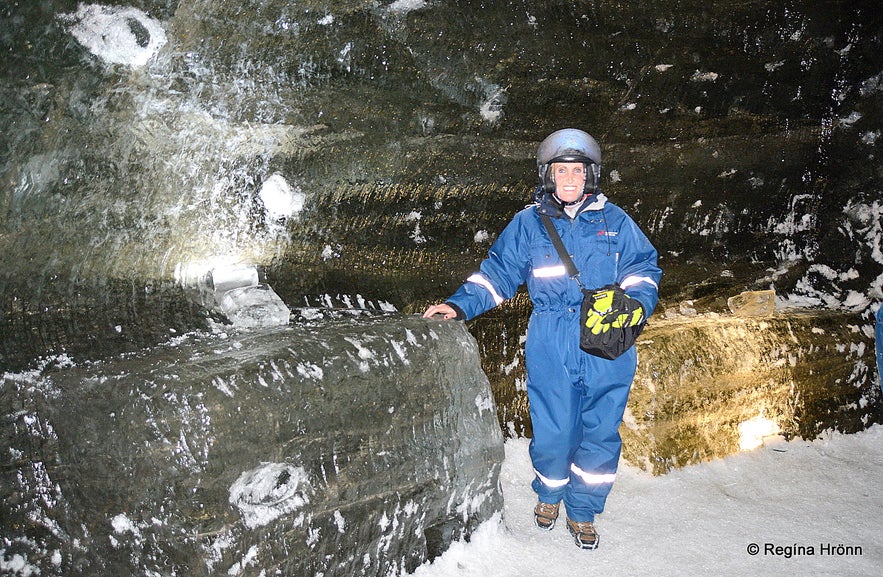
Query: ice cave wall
[[362, 445], [167, 165], [370, 152]]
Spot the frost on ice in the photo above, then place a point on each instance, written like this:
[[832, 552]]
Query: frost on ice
[[117, 34], [481, 236], [280, 199], [266, 493], [404, 6], [416, 235], [484, 403]]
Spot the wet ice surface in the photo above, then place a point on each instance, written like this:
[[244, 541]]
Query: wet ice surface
[[701, 520], [251, 449], [254, 306]]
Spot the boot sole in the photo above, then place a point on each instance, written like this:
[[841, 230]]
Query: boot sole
[[583, 545], [586, 546]]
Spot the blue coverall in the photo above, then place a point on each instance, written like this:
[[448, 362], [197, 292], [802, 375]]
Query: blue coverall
[[879, 339], [576, 400]]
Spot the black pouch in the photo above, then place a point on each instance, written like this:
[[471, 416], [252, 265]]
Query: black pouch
[[615, 341]]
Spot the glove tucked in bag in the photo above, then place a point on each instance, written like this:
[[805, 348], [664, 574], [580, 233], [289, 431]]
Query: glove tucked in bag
[[610, 322]]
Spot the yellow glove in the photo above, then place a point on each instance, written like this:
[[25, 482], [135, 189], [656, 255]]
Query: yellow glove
[[612, 308], [602, 301], [629, 319], [596, 322]]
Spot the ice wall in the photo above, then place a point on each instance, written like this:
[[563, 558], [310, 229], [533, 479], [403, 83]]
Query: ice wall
[[360, 446], [376, 149], [711, 385], [370, 152]]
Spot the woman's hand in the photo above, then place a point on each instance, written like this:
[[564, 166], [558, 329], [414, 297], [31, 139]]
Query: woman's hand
[[440, 309]]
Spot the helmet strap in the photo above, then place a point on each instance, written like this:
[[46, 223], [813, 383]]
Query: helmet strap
[[573, 202], [548, 183]]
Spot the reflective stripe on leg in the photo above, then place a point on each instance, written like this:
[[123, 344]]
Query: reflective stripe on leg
[[551, 483], [593, 478]]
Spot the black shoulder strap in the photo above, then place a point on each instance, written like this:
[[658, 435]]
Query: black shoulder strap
[[559, 246]]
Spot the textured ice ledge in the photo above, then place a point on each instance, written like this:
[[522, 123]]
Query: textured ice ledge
[[352, 447]]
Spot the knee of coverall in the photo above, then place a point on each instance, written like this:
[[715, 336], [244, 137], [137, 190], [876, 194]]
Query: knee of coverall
[[553, 375], [879, 344], [605, 398], [596, 460]]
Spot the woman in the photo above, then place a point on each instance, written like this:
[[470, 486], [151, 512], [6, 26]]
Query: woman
[[576, 400], [879, 339]]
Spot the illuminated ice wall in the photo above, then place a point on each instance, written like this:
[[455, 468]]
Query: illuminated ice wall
[[176, 170]]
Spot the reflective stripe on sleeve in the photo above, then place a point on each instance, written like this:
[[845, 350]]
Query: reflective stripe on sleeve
[[549, 271], [482, 281], [551, 483], [634, 280], [593, 478]]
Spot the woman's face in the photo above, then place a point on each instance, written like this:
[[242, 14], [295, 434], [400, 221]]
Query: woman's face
[[570, 180]]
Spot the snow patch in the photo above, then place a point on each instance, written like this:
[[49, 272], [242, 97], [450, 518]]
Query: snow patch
[[248, 559], [280, 199], [484, 403], [268, 492], [17, 565], [491, 109], [340, 522], [122, 524], [310, 371], [870, 138], [775, 494], [849, 120], [704, 76], [404, 6], [117, 35], [400, 351], [415, 235]]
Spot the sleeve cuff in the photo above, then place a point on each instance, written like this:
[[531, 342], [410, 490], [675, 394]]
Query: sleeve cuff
[[461, 316]]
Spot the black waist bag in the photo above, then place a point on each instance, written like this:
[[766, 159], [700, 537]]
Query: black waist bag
[[611, 343]]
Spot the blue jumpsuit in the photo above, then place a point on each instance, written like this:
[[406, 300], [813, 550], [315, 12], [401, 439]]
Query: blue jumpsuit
[[576, 400], [879, 340]]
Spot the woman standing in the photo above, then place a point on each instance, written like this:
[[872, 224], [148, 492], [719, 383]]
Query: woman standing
[[576, 399]]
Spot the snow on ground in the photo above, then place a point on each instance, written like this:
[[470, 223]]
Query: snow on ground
[[811, 508]]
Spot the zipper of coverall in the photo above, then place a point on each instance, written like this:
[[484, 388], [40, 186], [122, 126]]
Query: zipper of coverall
[[616, 254]]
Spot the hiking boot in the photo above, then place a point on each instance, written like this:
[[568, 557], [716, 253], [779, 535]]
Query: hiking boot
[[583, 533], [545, 515]]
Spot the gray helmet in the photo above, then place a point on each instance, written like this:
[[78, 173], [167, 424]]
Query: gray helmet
[[569, 145]]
